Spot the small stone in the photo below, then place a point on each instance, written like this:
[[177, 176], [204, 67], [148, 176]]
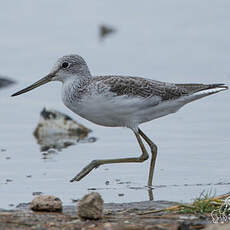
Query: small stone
[[90, 207], [46, 203], [57, 130]]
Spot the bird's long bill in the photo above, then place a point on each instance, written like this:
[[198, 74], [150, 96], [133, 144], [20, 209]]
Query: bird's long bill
[[42, 81]]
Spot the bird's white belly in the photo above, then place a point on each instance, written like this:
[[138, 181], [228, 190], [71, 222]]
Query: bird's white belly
[[120, 111], [104, 112]]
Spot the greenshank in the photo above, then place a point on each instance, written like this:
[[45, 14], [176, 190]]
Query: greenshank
[[120, 101]]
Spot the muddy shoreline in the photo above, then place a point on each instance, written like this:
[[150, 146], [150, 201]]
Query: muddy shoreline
[[136, 215]]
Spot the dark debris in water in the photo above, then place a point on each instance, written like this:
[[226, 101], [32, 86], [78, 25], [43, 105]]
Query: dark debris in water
[[37, 193], [52, 115], [75, 200], [105, 30], [5, 82], [121, 194], [57, 130]]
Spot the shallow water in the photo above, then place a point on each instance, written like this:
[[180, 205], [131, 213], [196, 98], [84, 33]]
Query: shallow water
[[170, 41]]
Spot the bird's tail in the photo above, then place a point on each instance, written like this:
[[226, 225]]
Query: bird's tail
[[197, 91]]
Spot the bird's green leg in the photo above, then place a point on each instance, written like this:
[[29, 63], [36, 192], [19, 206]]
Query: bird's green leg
[[96, 163], [153, 148]]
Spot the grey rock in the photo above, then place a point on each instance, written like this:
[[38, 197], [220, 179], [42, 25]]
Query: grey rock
[[46, 203], [57, 130], [90, 207]]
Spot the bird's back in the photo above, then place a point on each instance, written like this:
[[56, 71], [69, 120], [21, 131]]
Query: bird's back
[[143, 87]]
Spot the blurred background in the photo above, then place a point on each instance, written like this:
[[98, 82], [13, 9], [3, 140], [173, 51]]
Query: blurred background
[[173, 41]]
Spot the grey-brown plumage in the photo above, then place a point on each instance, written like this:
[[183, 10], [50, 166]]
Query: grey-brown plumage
[[142, 87]]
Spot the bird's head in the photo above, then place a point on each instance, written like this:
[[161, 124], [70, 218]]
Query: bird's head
[[66, 67]]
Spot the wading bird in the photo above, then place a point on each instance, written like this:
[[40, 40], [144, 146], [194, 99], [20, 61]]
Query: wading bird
[[119, 101]]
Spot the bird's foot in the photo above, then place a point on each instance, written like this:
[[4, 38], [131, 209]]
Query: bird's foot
[[94, 164]]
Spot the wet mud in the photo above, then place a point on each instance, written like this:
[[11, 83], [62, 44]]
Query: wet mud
[[116, 216]]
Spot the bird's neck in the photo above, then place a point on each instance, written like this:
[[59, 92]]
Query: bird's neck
[[74, 87], [76, 81]]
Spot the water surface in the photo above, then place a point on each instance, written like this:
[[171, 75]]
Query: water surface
[[174, 41]]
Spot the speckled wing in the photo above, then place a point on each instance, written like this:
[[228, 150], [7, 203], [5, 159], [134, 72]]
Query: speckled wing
[[141, 87], [147, 88]]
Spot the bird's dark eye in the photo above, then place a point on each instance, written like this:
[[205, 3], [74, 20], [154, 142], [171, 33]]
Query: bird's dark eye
[[65, 65]]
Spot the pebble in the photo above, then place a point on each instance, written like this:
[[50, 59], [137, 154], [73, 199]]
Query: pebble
[[46, 203], [90, 207]]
